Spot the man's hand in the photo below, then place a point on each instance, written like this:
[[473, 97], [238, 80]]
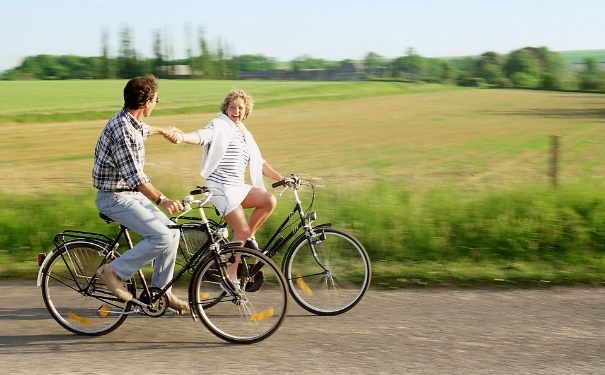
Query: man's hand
[[172, 207], [173, 134]]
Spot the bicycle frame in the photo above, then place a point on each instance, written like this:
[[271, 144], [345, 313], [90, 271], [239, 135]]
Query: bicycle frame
[[110, 244]]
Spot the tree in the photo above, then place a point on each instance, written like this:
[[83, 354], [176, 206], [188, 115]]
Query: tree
[[411, 66], [523, 68], [105, 70], [128, 65], [490, 68], [592, 78], [158, 61], [374, 60], [205, 59], [308, 62], [248, 63]]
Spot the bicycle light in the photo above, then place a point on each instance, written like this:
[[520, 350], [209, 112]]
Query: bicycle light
[[223, 233], [41, 257], [312, 216]]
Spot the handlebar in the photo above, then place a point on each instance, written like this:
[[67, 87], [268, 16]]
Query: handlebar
[[190, 200], [292, 181]]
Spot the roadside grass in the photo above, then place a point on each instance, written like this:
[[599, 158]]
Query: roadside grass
[[443, 186]]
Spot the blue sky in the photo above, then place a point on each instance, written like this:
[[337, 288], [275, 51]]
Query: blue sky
[[326, 29]]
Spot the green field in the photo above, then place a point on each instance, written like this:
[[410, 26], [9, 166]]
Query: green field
[[579, 57], [442, 184]]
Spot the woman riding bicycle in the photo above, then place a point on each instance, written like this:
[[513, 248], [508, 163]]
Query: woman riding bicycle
[[228, 149]]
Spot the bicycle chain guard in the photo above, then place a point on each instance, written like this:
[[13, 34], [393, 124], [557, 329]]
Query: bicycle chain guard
[[158, 308]]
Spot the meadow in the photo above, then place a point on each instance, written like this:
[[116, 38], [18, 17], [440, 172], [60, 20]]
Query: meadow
[[443, 185]]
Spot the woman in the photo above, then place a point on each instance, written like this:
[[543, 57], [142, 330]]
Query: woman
[[228, 149]]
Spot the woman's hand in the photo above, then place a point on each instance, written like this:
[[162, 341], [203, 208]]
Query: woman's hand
[[173, 134]]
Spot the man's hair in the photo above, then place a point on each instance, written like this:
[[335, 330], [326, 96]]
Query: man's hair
[[140, 90], [238, 94]]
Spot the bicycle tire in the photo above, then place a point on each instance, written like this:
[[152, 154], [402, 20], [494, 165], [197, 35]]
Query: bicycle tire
[[341, 286], [79, 306], [242, 317]]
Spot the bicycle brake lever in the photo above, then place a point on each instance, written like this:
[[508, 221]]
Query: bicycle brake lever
[[284, 189]]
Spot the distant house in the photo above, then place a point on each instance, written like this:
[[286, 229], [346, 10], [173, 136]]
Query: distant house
[[346, 72], [176, 71], [264, 74]]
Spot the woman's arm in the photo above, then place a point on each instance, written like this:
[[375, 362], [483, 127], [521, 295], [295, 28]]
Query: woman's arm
[[192, 138], [270, 172]]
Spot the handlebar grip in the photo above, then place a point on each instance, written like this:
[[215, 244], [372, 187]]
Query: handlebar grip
[[279, 183], [199, 190]]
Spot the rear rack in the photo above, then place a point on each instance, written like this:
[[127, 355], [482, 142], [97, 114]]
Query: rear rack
[[70, 235]]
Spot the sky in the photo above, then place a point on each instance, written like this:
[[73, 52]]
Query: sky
[[285, 30]]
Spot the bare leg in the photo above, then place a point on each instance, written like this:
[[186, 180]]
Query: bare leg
[[263, 204]]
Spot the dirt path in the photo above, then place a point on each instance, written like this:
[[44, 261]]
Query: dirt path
[[410, 331]]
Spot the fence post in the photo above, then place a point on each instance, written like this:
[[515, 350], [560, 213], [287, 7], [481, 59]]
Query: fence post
[[554, 161]]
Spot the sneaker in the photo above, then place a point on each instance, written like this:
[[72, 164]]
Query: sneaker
[[252, 244], [236, 286], [116, 286], [238, 297], [178, 304]]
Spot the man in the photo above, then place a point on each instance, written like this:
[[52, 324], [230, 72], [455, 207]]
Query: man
[[126, 195]]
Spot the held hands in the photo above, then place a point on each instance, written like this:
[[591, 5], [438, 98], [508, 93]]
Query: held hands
[[173, 134]]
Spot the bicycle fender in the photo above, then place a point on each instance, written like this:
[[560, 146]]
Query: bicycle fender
[[43, 266], [233, 244], [52, 252]]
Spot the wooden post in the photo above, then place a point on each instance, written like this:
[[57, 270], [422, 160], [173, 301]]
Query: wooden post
[[554, 161]]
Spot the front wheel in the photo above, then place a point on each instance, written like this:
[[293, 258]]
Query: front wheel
[[75, 298], [329, 273], [244, 312]]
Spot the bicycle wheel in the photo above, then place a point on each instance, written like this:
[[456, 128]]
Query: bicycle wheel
[[246, 313], [329, 277], [77, 303]]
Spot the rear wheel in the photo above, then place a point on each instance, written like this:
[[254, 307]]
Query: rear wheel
[[330, 275], [74, 300], [246, 312]]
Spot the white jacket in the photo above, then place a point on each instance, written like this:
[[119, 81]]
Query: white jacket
[[214, 150]]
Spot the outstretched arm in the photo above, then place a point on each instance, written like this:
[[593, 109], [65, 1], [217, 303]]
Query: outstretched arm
[[192, 138], [169, 132]]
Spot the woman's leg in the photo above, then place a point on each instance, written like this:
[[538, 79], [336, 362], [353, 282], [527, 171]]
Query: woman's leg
[[263, 203]]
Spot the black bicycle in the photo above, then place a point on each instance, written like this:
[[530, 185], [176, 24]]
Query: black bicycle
[[241, 312], [327, 270]]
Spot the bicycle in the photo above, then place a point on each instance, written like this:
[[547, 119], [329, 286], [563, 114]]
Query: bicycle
[[78, 300], [327, 270]]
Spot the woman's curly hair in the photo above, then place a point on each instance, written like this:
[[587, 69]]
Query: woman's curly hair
[[238, 94]]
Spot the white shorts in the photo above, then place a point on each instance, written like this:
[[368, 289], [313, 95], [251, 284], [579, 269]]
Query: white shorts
[[227, 198]]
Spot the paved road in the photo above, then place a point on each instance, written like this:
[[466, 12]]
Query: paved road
[[409, 331]]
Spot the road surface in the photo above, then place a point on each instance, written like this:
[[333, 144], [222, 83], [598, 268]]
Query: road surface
[[405, 331]]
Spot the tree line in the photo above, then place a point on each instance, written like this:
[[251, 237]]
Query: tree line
[[533, 68]]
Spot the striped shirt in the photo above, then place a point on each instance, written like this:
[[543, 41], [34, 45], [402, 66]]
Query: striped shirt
[[231, 168], [120, 154]]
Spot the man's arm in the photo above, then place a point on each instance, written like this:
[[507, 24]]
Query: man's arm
[[156, 196], [169, 132]]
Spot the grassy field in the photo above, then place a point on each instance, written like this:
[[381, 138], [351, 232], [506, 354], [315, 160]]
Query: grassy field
[[579, 57], [424, 175]]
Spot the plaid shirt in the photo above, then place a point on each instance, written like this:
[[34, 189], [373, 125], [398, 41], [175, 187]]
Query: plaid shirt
[[120, 154]]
